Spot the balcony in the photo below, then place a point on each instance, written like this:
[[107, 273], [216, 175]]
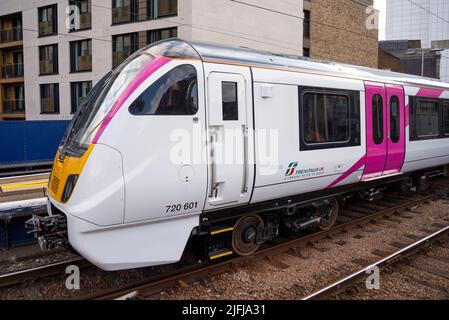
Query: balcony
[[121, 15], [47, 106], [11, 71], [46, 67], [45, 28], [84, 63], [119, 56], [14, 106], [11, 35], [85, 20]]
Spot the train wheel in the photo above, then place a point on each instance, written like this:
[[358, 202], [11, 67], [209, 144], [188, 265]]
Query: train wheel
[[331, 214], [244, 236]]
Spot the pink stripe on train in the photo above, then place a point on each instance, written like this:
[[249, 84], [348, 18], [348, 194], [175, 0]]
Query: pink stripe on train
[[430, 93], [350, 171], [151, 68]]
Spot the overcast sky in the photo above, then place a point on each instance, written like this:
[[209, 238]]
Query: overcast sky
[[381, 5]]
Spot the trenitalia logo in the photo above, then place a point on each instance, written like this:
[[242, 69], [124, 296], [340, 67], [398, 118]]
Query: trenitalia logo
[[291, 169]]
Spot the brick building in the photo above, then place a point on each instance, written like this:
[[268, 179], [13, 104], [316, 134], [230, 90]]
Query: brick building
[[339, 32]]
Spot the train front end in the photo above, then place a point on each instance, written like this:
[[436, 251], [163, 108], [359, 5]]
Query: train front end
[[86, 191]]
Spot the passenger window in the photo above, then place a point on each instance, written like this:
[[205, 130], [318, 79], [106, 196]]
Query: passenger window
[[175, 93], [378, 128], [395, 114], [230, 101], [427, 119], [446, 118], [325, 118]]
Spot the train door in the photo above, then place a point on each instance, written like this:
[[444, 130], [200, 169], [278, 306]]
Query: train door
[[385, 130], [230, 142], [396, 129], [376, 129]]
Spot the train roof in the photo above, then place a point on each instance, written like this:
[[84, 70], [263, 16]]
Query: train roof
[[211, 52]]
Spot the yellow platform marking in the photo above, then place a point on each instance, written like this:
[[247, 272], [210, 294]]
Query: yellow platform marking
[[24, 185], [221, 231], [224, 254]]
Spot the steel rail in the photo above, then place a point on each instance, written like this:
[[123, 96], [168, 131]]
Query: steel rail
[[381, 264], [17, 277]]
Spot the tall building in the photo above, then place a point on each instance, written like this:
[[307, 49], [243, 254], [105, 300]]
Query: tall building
[[12, 98], [425, 20], [49, 60]]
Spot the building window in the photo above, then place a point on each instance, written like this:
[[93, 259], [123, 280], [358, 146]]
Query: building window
[[49, 98], [81, 56], [123, 46], [14, 99], [395, 116], [446, 118], [306, 24], [79, 92], [161, 34], [161, 8], [48, 59], [229, 101], [85, 18], [427, 119], [124, 11], [48, 20], [306, 52], [176, 93], [378, 116]]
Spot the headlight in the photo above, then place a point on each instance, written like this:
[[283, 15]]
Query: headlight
[[69, 185]]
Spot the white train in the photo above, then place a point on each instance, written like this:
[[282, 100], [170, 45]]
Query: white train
[[229, 145]]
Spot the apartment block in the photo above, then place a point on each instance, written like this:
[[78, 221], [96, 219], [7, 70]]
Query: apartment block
[[12, 93], [50, 61]]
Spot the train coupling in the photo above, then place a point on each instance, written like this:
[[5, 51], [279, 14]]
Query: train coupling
[[50, 231]]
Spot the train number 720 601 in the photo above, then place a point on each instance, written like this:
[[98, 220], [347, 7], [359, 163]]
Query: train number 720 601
[[181, 207]]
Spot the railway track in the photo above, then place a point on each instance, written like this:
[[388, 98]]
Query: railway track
[[54, 269], [351, 218], [356, 213], [359, 276]]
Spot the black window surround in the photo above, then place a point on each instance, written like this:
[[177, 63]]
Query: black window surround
[[123, 45], [48, 26], [161, 8], [77, 97], [81, 56], [161, 34], [353, 98], [413, 105], [49, 98], [85, 8], [48, 60], [377, 109], [395, 119], [306, 24], [131, 11], [446, 118], [126, 13], [179, 89], [230, 101]]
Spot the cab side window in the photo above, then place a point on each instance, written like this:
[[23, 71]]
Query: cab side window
[[175, 93]]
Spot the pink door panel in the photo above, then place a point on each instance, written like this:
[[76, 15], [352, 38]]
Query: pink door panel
[[395, 129], [376, 130]]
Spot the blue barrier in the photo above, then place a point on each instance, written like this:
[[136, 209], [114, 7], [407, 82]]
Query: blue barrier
[[28, 142]]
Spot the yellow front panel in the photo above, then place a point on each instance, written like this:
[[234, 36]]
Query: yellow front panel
[[62, 170]]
